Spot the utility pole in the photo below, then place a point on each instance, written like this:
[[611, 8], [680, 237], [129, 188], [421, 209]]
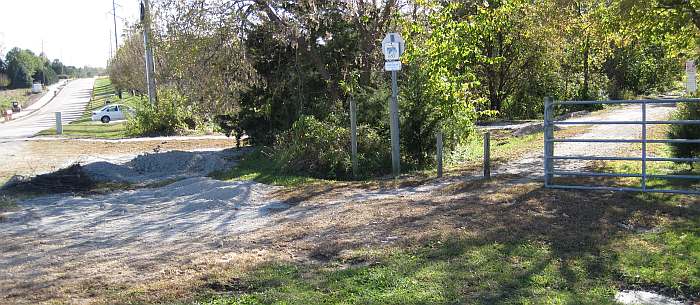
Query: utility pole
[[114, 17], [110, 45], [150, 75]]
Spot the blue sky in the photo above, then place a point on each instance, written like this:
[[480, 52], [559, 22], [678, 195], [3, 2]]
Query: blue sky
[[75, 31]]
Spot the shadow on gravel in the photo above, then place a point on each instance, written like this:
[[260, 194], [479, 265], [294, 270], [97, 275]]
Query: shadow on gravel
[[72, 179], [142, 171]]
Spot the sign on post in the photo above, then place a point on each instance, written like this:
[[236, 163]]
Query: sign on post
[[392, 66], [691, 74], [393, 46]]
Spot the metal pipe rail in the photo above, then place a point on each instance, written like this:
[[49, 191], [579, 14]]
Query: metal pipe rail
[[550, 157]]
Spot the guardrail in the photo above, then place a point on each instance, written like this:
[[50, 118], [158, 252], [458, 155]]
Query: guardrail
[[549, 156]]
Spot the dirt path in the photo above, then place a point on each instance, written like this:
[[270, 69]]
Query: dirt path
[[55, 245]]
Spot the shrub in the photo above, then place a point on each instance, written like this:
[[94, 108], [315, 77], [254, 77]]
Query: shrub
[[322, 149], [686, 111], [170, 116], [315, 148]]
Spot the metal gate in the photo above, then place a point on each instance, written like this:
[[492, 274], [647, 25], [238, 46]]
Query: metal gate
[[550, 171]]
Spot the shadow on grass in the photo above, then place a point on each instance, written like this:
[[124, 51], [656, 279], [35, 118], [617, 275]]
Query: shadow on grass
[[533, 246]]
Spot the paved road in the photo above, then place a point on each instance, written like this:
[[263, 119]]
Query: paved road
[[71, 102]]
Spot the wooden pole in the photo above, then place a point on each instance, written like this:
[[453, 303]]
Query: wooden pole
[[353, 136], [439, 154], [487, 155]]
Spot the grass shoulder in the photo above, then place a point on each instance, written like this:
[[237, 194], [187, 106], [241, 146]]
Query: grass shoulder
[[260, 167]]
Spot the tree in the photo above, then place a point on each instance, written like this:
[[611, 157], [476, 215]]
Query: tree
[[58, 67], [127, 67]]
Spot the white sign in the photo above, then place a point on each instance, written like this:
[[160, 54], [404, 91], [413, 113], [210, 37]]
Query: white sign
[[393, 46], [691, 74], [392, 66]]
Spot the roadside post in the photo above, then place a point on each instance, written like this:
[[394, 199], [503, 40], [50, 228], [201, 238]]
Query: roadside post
[[392, 47], [59, 124], [691, 74], [353, 135], [439, 154], [487, 155]]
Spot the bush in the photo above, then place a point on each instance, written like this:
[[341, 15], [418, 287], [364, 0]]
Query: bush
[[686, 111], [322, 150], [170, 116]]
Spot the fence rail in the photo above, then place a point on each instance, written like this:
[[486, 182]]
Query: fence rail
[[549, 154]]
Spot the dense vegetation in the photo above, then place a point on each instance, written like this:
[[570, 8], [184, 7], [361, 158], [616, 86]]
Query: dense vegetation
[[686, 111], [273, 67]]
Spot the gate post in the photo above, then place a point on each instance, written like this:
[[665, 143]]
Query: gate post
[[548, 144]]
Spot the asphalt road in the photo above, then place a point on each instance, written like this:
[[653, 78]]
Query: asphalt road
[[71, 102]]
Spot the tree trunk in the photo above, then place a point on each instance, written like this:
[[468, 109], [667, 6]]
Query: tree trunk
[[585, 92]]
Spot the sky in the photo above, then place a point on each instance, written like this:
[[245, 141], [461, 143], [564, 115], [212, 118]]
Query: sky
[[75, 31]]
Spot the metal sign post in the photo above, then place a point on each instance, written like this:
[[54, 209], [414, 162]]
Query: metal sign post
[[393, 47], [691, 73]]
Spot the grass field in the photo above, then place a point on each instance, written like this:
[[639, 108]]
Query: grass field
[[103, 91]]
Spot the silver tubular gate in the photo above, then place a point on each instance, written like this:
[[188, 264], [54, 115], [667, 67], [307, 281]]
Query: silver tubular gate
[[549, 156]]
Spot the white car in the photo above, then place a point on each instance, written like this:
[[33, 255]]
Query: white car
[[111, 113]]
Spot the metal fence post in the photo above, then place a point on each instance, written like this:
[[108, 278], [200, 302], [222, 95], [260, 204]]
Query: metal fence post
[[487, 155], [644, 146], [439, 154], [548, 144], [59, 124]]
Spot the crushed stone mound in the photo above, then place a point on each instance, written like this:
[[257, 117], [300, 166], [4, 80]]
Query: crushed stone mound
[[148, 168]]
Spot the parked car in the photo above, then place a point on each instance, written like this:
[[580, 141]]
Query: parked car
[[111, 113]]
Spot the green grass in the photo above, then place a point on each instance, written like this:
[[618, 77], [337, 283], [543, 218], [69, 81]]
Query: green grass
[[86, 128], [103, 91], [458, 271], [257, 166], [668, 259]]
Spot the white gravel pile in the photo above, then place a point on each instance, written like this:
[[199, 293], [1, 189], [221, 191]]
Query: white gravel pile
[[635, 297], [162, 166]]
